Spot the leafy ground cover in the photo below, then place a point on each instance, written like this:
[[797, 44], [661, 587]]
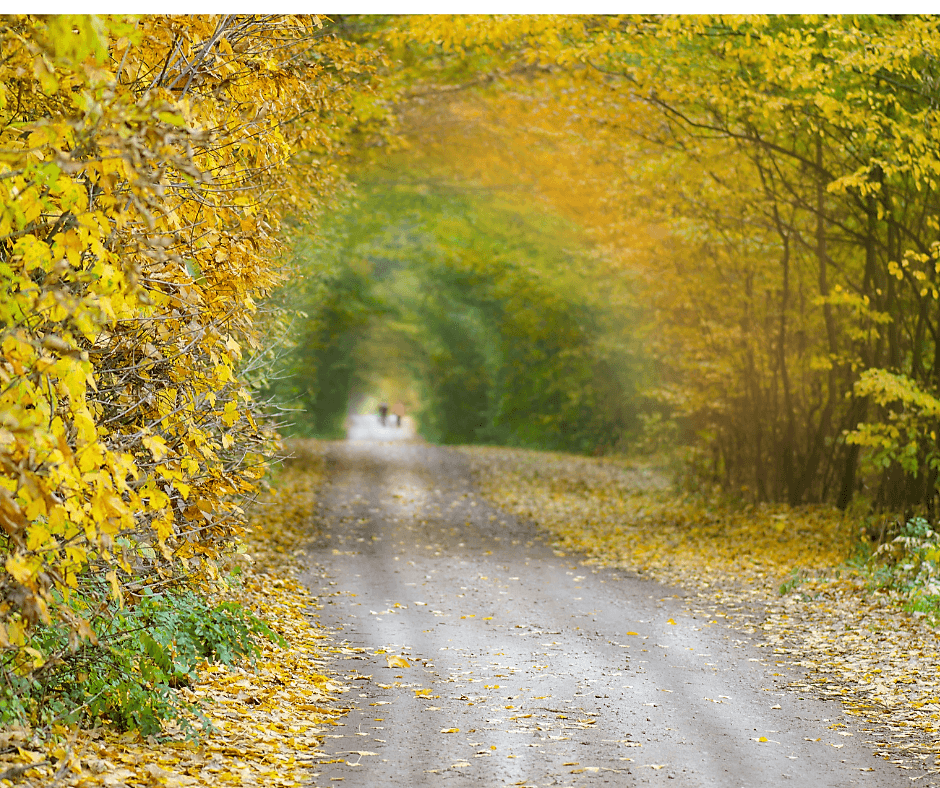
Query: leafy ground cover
[[267, 714], [862, 631]]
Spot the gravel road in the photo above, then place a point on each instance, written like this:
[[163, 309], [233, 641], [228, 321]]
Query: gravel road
[[526, 667]]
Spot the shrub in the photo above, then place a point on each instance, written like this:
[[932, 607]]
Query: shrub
[[130, 675]]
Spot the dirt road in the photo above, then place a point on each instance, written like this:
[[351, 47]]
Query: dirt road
[[526, 667]]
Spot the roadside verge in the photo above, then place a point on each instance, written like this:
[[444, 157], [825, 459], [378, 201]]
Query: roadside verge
[[269, 715]]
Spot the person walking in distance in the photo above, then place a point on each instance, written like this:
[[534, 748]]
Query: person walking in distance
[[398, 411], [383, 412]]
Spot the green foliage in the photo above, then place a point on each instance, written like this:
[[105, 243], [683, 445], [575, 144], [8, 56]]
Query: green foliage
[[481, 303], [795, 580], [129, 677], [909, 565], [333, 304]]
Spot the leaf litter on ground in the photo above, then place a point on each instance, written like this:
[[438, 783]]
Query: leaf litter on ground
[[775, 571], [269, 716]]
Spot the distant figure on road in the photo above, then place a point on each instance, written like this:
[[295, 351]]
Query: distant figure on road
[[398, 411], [383, 412]]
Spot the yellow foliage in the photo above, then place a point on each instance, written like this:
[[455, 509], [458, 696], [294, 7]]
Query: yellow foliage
[[753, 180], [270, 716], [144, 167]]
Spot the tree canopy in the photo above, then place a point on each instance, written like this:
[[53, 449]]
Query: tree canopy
[[478, 300], [768, 183]]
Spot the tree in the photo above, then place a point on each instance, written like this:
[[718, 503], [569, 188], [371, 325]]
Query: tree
[[146, 164], [475, 297], [785, 171]]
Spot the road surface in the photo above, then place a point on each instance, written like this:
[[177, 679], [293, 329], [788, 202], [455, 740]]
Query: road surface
[[525, 667]]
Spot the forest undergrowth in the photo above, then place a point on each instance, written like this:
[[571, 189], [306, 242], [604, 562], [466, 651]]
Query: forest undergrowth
[[264, 716], [858, 623]]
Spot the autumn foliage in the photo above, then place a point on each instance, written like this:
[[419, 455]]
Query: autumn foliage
[[747, 205], [766, 186], [145, 165]]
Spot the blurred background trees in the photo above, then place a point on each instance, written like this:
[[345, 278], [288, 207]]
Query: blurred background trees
[[765, 187], [468, 305]]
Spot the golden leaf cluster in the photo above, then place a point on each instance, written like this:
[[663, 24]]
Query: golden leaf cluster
[[144, 167]]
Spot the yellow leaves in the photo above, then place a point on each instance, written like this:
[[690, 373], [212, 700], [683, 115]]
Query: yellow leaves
[[15, 632], [396, 661], [116, 589], [269, 713], [76, 37], [120, 334], [22, 568], [72, 377], [648, 530], [795, 81], [86, 429], [230, 413], [450, 730], [233, 347], [38, 536], [173, 118], [156, 446], [223, 374], [45, 74], [156, 498]]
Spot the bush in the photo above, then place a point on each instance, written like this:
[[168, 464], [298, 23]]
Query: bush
[[142, 183], [130, 676], [909, 565]]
